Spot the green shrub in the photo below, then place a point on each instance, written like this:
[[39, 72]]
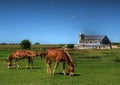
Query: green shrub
[[25, 44]]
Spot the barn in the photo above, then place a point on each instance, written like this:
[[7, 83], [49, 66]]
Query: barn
[[93, 41]]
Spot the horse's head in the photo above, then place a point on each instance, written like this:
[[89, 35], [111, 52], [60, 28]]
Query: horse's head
[[9, 63], [71, 69]]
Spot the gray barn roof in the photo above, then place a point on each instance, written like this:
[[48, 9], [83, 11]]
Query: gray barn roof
[[103, 39], [93, 37]]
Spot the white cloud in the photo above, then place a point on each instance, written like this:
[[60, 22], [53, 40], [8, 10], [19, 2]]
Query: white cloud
[[73, 16]]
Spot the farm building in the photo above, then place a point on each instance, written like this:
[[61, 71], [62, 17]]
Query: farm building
[[94, 41]]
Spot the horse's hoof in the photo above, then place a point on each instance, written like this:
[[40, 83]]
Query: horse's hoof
[[64, 73], [71, 74]]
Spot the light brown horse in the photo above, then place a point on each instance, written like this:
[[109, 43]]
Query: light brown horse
[[59, 55], [20, 54]]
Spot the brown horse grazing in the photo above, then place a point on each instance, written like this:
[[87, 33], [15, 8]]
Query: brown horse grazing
[[39, 54], [59, 55], [20, 54]]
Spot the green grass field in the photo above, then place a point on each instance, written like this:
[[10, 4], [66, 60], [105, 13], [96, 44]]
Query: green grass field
[[92, 67]]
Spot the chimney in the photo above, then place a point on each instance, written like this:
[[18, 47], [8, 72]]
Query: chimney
[[81, 36]]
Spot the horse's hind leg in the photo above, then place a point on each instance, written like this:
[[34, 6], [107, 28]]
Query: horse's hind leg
[[31, 60], [27, 66], [48, 68], [41, 57], [48, 63]]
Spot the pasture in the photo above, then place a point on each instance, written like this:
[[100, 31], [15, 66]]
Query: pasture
[[92, 67]]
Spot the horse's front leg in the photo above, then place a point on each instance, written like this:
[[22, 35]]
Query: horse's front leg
[[56, 65], [64, 68], [16, 63]]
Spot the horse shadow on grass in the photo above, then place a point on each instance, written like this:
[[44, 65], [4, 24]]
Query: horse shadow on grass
[[67, 74], [27, 68]]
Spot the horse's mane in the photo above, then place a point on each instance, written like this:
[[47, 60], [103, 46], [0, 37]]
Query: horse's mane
[[10, 57], [69, 59], [69, 56]]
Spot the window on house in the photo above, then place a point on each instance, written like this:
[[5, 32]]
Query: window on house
[[90, 42]]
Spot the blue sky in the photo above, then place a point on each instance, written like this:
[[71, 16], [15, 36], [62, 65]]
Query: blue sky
[[58, 21]]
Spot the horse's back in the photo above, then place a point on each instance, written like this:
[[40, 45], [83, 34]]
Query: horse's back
[[38, 53], [55, 54], [22, 54]]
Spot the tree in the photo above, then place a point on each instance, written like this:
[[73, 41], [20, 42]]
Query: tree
[[70, 46], [25, 44]]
